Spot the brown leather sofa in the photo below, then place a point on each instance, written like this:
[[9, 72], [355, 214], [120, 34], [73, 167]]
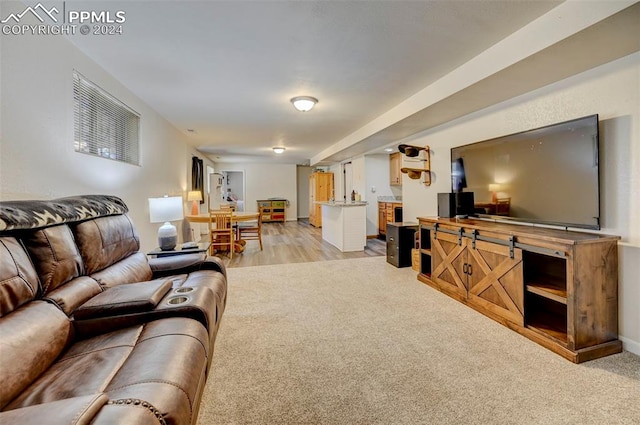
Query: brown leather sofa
[[91, 331]]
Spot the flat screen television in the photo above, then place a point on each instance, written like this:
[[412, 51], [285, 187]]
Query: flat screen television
[[548, 175]]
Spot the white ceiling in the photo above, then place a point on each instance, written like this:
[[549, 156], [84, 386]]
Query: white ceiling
[[227, 69]]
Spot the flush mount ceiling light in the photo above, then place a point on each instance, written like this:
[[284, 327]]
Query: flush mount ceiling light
[[304, 103], [278, 149], [388, 149]]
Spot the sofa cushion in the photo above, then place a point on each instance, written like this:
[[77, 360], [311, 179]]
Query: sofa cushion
[[105, 241], [18, 279], [31, 338], [162, 362], [54, 254], [134, 268], [74, 411]]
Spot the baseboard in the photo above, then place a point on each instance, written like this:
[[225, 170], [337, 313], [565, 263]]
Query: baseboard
[[630, 345]]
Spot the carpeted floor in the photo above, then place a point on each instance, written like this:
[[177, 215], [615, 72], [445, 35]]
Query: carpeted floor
[[361, 342]]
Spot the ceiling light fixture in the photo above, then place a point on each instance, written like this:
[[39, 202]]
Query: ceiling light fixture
[[278, 149], [388, 149], [304, 103]]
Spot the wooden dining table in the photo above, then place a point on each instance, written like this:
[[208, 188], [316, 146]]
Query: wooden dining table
[[236, 216]]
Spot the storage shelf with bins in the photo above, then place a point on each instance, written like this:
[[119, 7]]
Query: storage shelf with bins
[[556, 287], [273, 210]]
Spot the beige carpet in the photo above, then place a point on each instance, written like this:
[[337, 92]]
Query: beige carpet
[[361, 342]]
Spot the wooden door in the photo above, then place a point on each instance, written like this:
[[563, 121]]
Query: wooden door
[[395, 164], [496, 281], [324, 186], [448, 260], [320, 190], [312, 199]]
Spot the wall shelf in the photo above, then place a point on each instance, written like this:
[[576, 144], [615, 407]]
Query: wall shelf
[[422, 156]]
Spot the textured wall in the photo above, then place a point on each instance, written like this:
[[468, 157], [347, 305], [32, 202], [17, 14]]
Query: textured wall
[[38, 160]]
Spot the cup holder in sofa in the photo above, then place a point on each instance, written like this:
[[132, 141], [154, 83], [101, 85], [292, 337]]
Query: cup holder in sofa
[[183, 290], [177, 300]]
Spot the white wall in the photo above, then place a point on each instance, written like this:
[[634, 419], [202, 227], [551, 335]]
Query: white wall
[[38, 160], [264, 181], [338, 178], [613, 92], [359, 182], [377, 178]]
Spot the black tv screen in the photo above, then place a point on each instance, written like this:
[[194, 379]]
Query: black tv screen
[[547, 175]]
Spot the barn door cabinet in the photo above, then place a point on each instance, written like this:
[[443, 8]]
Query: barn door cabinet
[[556, 287]]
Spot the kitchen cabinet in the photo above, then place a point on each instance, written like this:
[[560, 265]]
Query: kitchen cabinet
[[382, 219], [320, 190], [556, 287], [388, 212], [395, 165]]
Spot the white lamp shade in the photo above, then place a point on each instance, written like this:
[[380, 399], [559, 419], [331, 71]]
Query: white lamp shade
[[165, 209], [194, 195]]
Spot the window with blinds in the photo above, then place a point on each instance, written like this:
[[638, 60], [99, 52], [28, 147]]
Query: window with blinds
[[103, 125]]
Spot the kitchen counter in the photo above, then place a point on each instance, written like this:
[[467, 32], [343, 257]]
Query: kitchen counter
[[343, 204], [344, 225]]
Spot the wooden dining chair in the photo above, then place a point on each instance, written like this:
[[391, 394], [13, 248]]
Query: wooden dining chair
[[503, 206], [251, 230], [232, 208], [221, 231]]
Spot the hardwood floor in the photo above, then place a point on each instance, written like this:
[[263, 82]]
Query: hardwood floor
[[295, 242]]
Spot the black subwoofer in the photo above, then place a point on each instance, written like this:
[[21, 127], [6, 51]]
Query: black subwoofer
[[453, 204]]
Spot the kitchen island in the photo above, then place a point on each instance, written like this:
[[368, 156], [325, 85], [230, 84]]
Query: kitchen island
[[344, 225]]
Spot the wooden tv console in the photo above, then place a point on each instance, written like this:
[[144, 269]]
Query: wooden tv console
[[558, 288]]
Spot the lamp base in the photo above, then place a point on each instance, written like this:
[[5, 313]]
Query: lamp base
[[195, 208], [167, 236]]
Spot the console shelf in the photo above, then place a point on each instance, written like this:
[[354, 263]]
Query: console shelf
[[548, 290], [556, 287]]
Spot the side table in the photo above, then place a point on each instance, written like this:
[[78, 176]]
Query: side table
[[178, 250]]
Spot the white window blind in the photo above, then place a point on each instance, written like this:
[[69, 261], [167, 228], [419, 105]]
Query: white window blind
[[103, 125]]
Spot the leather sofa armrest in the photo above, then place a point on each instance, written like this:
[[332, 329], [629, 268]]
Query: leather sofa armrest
[[76, 411], [124, 299], [184, 264]]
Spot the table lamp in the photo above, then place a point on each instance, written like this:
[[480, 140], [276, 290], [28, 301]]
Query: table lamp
[[196, 197], [494, 188], [166, 209]]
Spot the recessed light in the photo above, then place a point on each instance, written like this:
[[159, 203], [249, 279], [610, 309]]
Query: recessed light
[[388, 149], [278, 149], [191, 130]]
